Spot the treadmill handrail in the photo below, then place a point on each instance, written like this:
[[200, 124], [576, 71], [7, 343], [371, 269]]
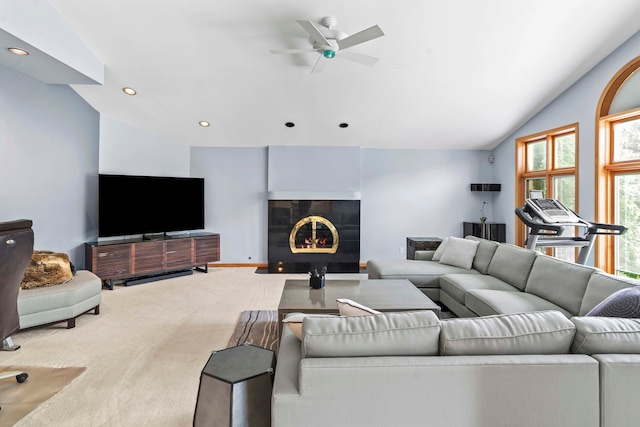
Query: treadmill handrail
[[609, 229], [537, 224]]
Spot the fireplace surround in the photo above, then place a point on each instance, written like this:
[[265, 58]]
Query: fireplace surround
[[304, 235]]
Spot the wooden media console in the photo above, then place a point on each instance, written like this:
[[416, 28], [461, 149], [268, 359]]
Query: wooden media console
[[138, 261]]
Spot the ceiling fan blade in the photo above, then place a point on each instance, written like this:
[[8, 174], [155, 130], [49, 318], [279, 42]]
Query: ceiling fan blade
[[314, 33], [367, 60], [320, 64], [361, 37], [278, 51]]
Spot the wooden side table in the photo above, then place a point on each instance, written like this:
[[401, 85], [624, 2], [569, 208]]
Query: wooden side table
[[421, 244]]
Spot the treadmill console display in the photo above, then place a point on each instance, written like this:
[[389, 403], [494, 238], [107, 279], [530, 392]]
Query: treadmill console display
[[551, 211]]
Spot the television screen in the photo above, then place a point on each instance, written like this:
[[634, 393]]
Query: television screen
[[129, 204]]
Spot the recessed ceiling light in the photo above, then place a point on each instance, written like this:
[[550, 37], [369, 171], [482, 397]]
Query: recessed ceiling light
[[344, 125], [129, 91], [18, 51], [204, 124], [289, 124]]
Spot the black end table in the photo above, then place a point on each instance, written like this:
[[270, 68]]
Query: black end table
[[235, 388], [421, 244]]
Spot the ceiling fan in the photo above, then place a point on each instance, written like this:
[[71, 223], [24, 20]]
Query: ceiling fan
[[331, 43]]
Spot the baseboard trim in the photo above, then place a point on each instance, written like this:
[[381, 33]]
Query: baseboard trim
[[363, 265]]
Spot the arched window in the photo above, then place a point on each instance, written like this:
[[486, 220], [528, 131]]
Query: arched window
[[618, 171]]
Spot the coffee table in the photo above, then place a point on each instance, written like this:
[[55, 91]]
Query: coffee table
[[379, 294]]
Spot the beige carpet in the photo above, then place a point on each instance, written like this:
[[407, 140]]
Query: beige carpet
[[146, 349], [17, 400]]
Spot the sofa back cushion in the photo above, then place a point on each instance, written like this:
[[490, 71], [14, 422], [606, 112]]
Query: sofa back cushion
[[561, 282], [512, 264], [484, 253], [538, 332], [409, 333], [606, 335], [600, 286]]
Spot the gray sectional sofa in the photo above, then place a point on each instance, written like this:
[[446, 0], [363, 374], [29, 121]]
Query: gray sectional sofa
[[412, 369], [525, 350], [504, 278]]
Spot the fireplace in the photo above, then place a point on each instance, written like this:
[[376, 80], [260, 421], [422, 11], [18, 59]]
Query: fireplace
[[310, 234]]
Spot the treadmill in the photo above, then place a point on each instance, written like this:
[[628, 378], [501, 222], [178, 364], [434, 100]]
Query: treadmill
[[548, 219]]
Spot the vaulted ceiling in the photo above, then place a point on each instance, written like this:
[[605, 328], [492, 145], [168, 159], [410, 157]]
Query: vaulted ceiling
[[460, 74]]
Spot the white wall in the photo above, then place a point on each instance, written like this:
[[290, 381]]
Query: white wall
[[419, 193], [48, 162], [235, 197], [576, 105], [125, 149]]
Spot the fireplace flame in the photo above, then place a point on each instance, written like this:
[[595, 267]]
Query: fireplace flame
[[310, 232]]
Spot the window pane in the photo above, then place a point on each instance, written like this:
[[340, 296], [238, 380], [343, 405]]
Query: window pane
[[626, 140], [627, 213], [564, 189], [535, 184], [537, 156], [565, 151]]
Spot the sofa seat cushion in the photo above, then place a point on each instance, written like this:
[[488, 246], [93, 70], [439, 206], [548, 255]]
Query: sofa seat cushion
[[512, 264], [408, 333], [423, 274], [600, 286], [486, 302], [561, 282], [606, 335], [457, 285], [39, 306], [542, 332]]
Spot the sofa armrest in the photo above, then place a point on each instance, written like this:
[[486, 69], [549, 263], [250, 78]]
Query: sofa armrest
[[289, 356], [619, 377]]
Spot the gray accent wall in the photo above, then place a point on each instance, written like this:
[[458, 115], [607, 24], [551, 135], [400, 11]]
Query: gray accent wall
[[48, 162]]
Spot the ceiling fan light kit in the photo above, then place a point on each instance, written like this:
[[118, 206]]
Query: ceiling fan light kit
[[331, 43]]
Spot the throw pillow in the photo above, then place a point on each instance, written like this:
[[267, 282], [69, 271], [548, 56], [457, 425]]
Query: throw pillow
[[624, 303], [348, 307], [440, 249], [294, 322], [459, 252], [47, 269]]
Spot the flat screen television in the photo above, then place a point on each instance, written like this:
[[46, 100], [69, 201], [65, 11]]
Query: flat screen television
[[130, 204]]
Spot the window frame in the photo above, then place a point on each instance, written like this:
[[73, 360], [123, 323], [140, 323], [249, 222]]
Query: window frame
[[604, 252], [607, 170], [549, 173]]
